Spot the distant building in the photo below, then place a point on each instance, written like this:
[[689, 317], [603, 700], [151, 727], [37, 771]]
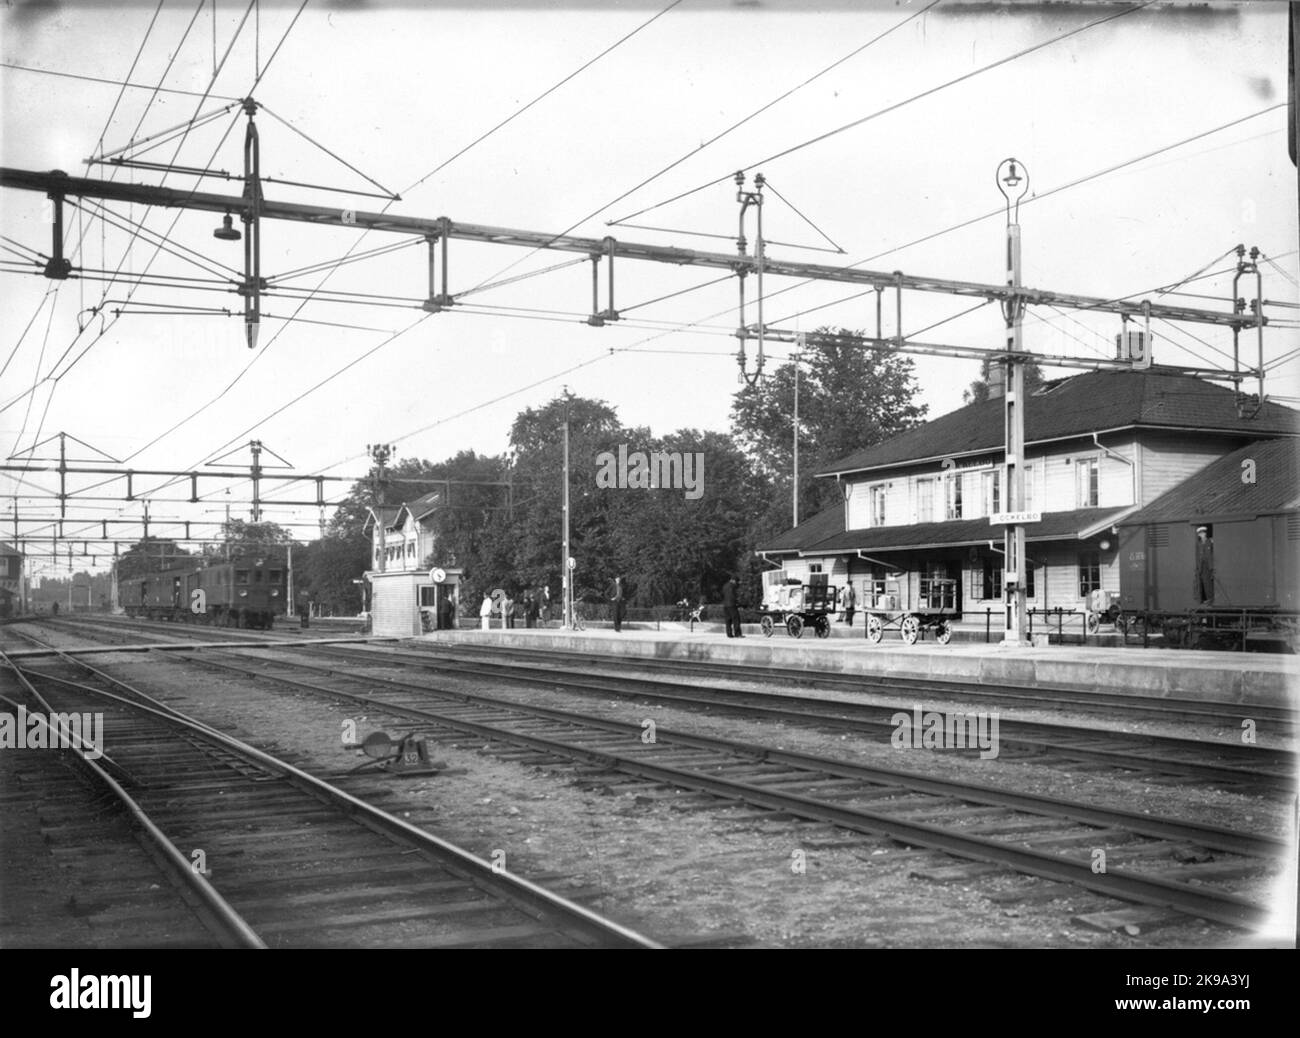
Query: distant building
[[400, 590], [12, 593], [915, 524]]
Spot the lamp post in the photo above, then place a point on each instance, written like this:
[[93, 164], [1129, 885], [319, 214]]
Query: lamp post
[[1013, 182]]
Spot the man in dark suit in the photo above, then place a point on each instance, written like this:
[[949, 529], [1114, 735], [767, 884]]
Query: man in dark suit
[[616, 599], [730, 610]]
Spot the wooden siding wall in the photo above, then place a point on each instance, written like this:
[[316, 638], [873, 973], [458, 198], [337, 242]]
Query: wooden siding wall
[[1167, 459], [395, 605]]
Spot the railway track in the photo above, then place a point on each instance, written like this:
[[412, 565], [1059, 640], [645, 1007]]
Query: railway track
[[1233, 766], [1111, 704], [286, 858], [1201, 871]]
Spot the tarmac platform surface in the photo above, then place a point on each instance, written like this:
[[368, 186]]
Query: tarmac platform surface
[[1163, 673]]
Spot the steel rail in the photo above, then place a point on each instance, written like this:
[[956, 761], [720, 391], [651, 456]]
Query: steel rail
[[520, 892], [854, 715], [1222, 839], [216, 913], [1217, 906]]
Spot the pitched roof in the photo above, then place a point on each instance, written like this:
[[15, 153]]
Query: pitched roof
[[1075, 406], [819, 527], [387, 513], [1218, 491], [958, 532], [423, 505]]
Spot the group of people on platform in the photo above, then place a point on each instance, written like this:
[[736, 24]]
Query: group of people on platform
[[533, 606]]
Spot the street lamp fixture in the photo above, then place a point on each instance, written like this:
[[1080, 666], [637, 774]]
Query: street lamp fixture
[[1009, 183], [227, 232]]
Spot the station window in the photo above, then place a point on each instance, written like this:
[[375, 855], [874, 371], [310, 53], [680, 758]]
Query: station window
[[814, 567], [925, 500], [1089, 573], [877, 506], [273, 576], [952, 497], [992, 491], [1085, 475], [427, 595], [241, 576]]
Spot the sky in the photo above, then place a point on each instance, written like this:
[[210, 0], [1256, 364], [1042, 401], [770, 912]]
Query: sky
[[589, 119]]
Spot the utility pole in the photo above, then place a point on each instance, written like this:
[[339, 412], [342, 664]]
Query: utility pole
[[567, 567], [1014, 186], [794, 493], [380, 452]]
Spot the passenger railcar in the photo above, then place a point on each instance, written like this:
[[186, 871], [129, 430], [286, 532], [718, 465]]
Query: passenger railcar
[[248, 590]]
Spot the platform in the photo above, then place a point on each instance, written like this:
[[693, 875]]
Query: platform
[[1163, 673]]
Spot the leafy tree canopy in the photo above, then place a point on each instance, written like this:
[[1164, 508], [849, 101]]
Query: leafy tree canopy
[[849, 398]]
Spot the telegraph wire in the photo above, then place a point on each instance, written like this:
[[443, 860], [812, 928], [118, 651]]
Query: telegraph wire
[[894, 107], [520, 111], [724, 133], [194, 414], [111, 82]]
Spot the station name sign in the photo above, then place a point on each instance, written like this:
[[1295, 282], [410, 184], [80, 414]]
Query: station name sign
[[1015, 518]]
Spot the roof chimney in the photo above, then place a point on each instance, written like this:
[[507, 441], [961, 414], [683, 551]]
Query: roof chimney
[[997, 380]]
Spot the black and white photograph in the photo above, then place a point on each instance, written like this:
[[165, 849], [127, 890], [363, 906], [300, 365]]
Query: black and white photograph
[[406, 409]]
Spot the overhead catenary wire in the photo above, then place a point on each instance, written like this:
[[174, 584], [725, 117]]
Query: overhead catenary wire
[[730, 129], [770, 187], [217, 70], [111, 82], [1024, 52], [253, 360], [1099, 173]]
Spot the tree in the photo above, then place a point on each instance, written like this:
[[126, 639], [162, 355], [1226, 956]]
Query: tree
[[526, 551], [672, 546], [849, 398], [151, 555], [978, 391], [327, 568]]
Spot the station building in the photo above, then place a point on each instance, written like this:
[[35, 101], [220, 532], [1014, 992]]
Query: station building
[[403, 596], [12, 596], [913, 530]]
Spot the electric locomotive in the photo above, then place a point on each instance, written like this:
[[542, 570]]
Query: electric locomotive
[[247, 590]]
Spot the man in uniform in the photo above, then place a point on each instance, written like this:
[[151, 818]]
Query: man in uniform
[[1203, 581]]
